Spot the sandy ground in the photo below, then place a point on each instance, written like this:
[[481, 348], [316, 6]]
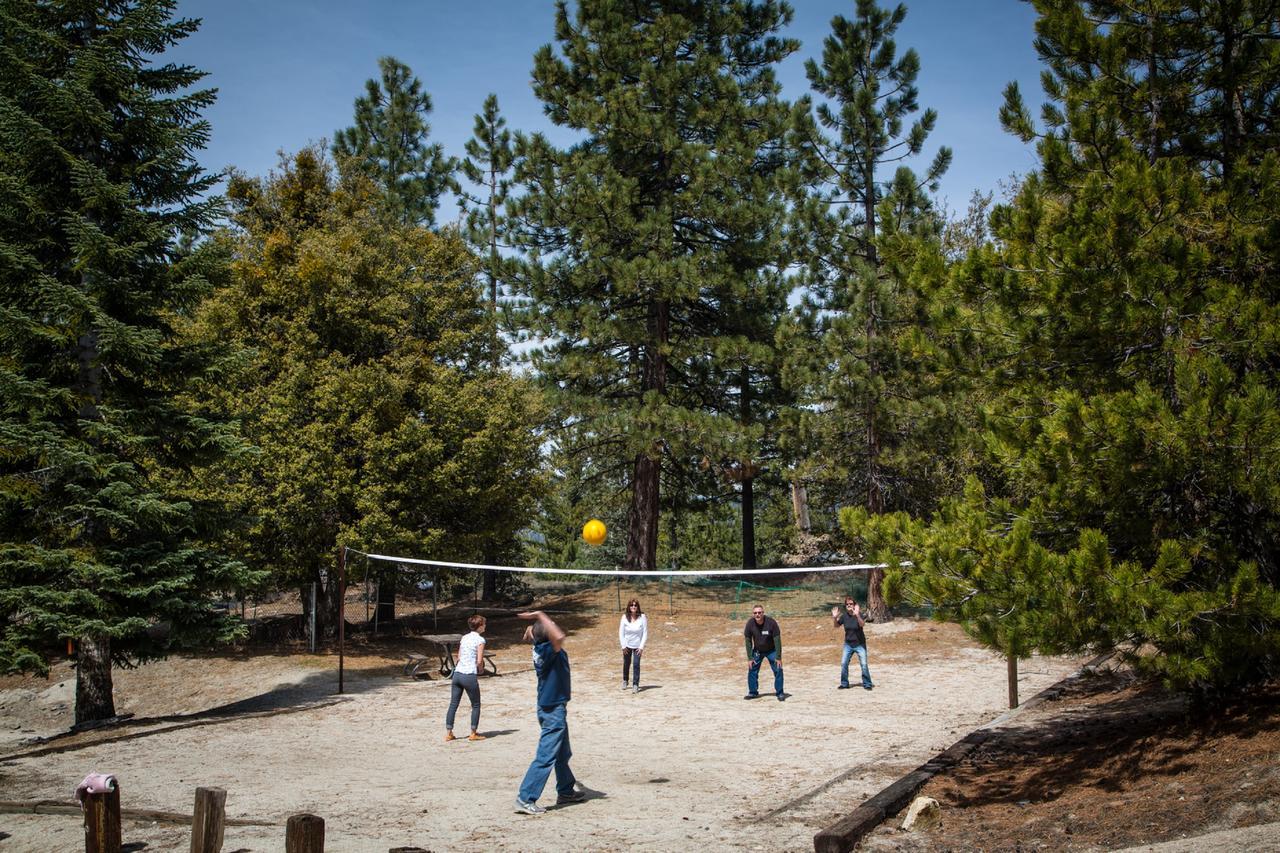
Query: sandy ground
[[685, 763]]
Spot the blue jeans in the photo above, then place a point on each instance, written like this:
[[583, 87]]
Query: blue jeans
[[753, 672], [553, 751], [850, 651]]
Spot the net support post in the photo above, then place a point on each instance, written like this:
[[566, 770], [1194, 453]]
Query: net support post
[[342, 612], [1012, 661]]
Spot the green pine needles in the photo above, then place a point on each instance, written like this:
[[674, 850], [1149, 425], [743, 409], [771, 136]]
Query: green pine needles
[[1135, 436], [98, 182]]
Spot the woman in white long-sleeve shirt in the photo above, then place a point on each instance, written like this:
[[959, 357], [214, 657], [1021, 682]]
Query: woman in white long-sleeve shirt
[[633, 633]]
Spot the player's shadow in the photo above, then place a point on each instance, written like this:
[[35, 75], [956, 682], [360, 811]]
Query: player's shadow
[[647, 687], [499, 732]]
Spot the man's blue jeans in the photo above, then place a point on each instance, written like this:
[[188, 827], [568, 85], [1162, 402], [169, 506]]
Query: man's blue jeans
[[850, 651], [553, 752], [753, 672]]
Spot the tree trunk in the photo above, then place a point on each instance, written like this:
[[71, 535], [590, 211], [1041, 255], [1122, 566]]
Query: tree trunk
[[95, 696], [328, 588], [800, 505], [95, 699], [642, 520], [748, 476], [386, 612], [876, 606]]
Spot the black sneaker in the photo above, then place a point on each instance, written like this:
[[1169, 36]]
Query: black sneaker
[[782, 697], [868, 686], [752, 696], [843, 687], [574, 796]]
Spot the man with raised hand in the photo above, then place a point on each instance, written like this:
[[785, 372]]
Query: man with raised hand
[[551, 663], [855, 641], [764, 642]]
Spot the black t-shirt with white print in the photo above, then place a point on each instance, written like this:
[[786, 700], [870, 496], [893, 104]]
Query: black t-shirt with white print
[[762, 636]]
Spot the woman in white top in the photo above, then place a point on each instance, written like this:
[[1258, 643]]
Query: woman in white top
[[466, 677], [633, 633]]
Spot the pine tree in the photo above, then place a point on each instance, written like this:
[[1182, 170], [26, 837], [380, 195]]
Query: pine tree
[[98, 184], [1136, 438], [388, 143], [671, 204], [488, 165], [367, 385], [864, 392]]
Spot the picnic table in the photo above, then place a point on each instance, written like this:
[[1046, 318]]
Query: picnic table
[[442, 646]]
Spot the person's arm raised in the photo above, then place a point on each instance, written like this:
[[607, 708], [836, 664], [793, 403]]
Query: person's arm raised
[[555, 636]]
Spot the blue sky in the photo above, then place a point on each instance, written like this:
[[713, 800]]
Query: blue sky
[[288, 71]]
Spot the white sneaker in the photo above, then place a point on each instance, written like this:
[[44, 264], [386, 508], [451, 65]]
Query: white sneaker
[[529, 808], [635, 688]]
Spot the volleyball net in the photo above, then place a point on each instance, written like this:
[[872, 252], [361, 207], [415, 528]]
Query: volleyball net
[[407, 589]]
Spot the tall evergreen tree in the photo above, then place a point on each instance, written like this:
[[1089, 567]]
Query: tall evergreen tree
[[388, 143], [488, 166], [861, 381], [669, 206], [98, 181]]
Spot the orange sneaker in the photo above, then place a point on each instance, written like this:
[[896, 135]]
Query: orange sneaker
[[448, 736], [475, 736]]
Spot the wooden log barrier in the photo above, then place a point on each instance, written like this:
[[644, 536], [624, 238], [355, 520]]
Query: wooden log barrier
[[208, 820], [304, 833]]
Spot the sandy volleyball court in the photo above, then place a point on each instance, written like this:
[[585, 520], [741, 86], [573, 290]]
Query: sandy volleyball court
[[684, 764]]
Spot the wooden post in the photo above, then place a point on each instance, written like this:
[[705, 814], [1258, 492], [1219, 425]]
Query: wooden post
[[304, 833], [342, 611], [102, 821], [208, 820], [1013, 680]]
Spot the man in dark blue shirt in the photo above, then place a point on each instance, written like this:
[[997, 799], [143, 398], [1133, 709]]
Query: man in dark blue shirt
[[855, 641], [551, 663]]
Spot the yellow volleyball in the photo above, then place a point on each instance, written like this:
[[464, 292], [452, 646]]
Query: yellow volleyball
[[594, 531]]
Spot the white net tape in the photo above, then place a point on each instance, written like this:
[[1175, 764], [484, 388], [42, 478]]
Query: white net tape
[[647, 573]]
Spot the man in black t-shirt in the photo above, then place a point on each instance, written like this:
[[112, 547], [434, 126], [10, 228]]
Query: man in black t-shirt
[[764, 642], [855, 642]]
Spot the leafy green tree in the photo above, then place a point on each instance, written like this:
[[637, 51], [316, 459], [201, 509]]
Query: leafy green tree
[[98, 183], [869, 416], [673, 199], [1137, 433], [388, 143], [369, 388]]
